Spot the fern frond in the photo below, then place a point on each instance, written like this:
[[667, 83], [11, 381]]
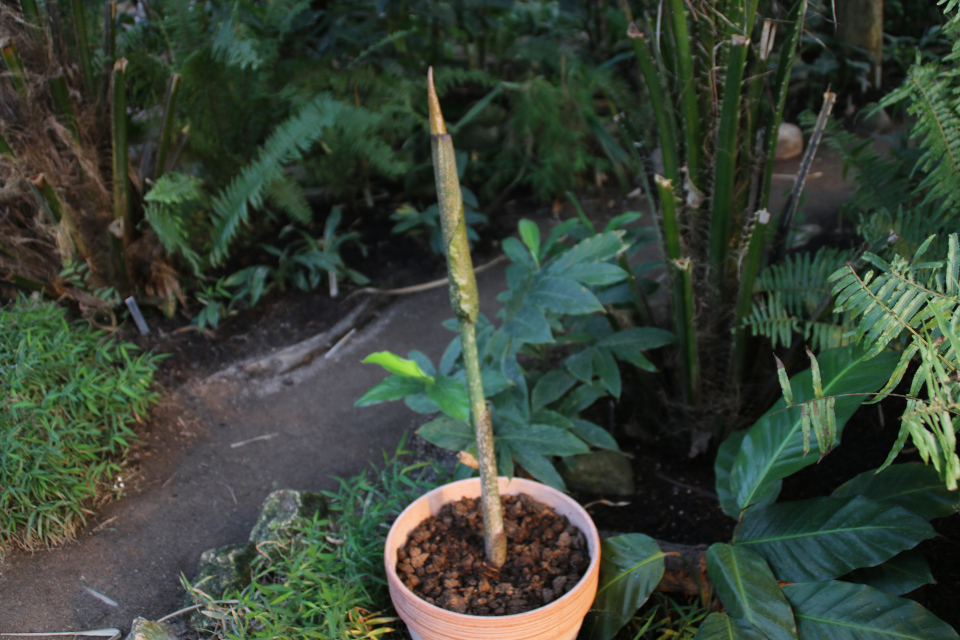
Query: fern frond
[[286, 194], [235, 46], [286, 144], [175, 188]]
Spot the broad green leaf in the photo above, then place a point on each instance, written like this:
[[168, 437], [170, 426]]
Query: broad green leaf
[[773, 446], [635, 358], [529, 325], [836, 610], [562, 295], [421, 403], [580, 365], [451, 396], [518, 254], [914, 486], [448, 433], [542, 439], [726, 454], [631, 567], [749, 591], [899, 575], [641, 338], [549, 388], [393, 388], [596, 274], [397, 365], [825, 538], [530, 233], [581, 398], [594, 435], [720, 626], [494, 382], [551, 419], [450, 356], [423, 362]]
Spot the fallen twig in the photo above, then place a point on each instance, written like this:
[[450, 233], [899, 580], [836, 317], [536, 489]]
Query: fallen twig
[[104, 523], [244, 442], [426, 286], [102, 598], [113, 634], [339, 344]]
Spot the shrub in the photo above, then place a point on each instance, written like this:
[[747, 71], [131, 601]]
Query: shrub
[[69, 396]]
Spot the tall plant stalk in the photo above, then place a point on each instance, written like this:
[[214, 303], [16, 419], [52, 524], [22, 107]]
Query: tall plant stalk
[[121, 230], [466, 306]]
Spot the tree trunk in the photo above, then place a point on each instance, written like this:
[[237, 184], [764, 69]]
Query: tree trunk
[[860, 24]]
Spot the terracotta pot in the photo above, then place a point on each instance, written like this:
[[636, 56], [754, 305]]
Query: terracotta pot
[[559, 620]]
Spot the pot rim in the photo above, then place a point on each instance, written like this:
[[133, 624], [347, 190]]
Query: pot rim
[[592, 535]]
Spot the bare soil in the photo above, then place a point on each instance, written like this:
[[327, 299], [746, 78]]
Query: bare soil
[[444, 560]]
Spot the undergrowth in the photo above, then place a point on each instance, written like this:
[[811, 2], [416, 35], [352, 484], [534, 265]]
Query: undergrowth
[[69, 395], [329, 581]]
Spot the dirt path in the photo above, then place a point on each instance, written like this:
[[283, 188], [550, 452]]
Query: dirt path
[[199, 489]]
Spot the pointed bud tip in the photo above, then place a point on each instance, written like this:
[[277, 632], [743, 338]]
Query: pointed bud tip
[[437, 126]]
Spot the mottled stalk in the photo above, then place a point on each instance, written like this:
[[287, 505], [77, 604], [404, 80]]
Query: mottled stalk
[[466, 306], [687, 85], [166, 132], [748, 275], [121, 230]]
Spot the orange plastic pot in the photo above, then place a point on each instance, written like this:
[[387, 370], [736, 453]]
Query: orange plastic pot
[[559, 620]]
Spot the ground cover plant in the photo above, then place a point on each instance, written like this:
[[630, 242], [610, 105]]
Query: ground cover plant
[[327, 581], [70, 396]]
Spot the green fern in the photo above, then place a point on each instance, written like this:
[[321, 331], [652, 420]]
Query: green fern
[[170, 205], [918, 302], [286, 144], [287, 195], [794, 299]]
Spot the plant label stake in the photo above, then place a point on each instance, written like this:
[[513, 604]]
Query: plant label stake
[[466, 305]]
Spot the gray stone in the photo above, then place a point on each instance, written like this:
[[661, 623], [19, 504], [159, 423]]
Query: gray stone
[[598, 472], [222, 570], [281, 511], [143, 629]]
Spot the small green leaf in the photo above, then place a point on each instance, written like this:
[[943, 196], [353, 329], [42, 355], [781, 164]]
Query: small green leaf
[[447, 433], [596, 274], [580, 365], [594, 434], [393, 388], [720, 626], [397, 365], [538, 466], [640, 338], [451, 396], [542, 439], [564, 296], [749, 591], [631, 566], [607, 371], [530, 233], [835, 610], [549, 388], [785, 382], [529, 325]]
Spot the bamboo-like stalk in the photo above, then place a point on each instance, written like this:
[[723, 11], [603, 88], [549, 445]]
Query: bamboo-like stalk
[[11, 60], [748, 276], [682, 291], [122, 226], [690, 113], [166, 131], [62, 103], [466, 306], [83, 47], [662, 109], [787, 56], [31, 15]]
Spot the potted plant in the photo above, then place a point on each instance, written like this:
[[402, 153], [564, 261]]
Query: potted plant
[[558, 618]]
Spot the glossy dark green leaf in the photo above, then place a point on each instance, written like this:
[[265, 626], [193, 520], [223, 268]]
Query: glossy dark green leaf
[[825, 538], [451, 396], [642, 338], [529, 325], [631, 567], [720, 626], [914, 486], [749, 591], [899, 575], [494, 382], [551, 419], [421, 403], [448, 433], [562, 295], [836, 610], [773, 447], [537, 465], [542, 439], [550, 387], [393, 388], [726, 454], [598, 248]]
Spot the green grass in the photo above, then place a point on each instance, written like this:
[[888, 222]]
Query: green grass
[[328, 582], [69, 394]]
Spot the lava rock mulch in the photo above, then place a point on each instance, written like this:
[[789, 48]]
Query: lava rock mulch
[[443, 560]]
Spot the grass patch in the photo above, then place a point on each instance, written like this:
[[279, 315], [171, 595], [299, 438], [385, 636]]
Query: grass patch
[[328, 581], [69, 394]]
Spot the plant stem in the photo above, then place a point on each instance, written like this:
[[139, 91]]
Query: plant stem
[[748, 275], [61, 101], [83, 47], [11, 59], [121, 232], [166, 132], [466, 305], [693, 140]]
